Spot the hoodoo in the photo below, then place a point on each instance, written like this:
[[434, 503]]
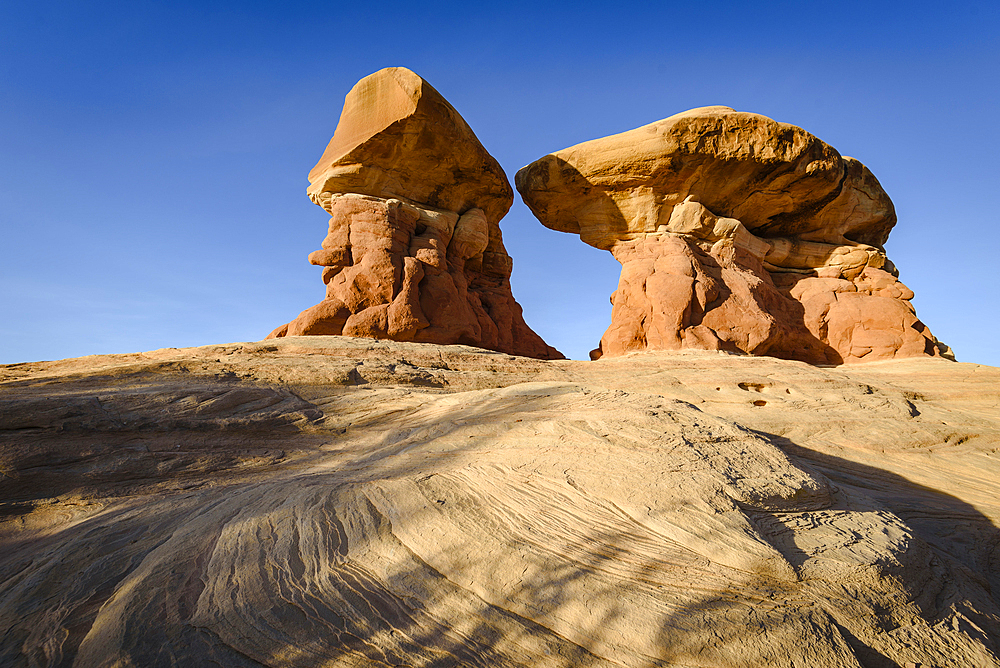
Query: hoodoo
[[413, 250], [735, 232]]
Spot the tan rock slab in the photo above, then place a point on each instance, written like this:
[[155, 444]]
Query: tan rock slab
[[328, 500]]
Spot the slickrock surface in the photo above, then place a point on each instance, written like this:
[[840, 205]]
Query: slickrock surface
[[311, 501], [413, 250], [736, 233]]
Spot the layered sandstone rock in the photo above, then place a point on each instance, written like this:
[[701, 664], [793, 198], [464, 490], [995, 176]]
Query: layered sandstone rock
[[735, 232], [413, 250], [335, 501]]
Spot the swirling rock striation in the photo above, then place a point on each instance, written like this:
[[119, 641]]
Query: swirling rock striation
[[413, 250], [320, 501], [735, 232]]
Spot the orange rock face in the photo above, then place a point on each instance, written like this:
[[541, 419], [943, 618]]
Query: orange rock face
[[413, 250], [734, 233]]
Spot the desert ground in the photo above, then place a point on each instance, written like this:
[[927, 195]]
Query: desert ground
[[334, 501]]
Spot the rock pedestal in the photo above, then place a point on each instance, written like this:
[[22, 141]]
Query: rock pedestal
[[413, 250], [736, 233]]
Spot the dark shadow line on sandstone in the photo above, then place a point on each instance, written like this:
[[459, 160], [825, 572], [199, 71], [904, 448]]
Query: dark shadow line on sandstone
[[971, 544]]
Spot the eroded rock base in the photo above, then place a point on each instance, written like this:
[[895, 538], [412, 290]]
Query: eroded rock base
[[395, 270], [705, 282]]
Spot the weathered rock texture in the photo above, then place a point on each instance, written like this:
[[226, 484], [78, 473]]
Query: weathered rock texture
[[735, 232], [414, 250], [334, 501]]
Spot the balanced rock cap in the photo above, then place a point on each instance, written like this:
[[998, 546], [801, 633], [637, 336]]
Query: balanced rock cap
[[776, 178], [398, 137]]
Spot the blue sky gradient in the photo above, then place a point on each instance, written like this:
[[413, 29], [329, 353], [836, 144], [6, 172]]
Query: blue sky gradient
[[153, 155]]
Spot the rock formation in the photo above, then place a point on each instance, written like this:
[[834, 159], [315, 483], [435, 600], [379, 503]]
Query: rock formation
[[736, 233], [335, 501], [414, 250]]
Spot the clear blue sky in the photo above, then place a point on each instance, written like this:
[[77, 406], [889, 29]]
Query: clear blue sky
[[153, 155]]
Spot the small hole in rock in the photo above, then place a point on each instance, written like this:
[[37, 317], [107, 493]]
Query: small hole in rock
[[760, 402]]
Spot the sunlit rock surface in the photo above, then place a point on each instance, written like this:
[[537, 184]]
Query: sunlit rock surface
[[413, 250], [737, 233], [317, 500]]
